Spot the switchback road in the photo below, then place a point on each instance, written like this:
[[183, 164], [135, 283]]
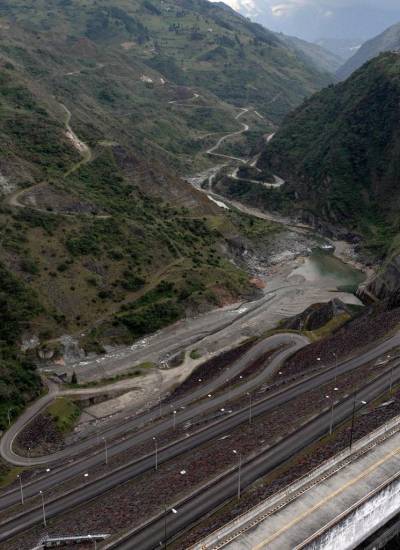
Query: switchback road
[[135, 468], [152, 534]]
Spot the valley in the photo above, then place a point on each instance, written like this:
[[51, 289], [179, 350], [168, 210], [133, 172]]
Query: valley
[[199, 290]]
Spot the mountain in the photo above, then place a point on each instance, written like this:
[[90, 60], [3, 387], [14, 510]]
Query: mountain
[[104, 104], [323, 59], [185, 42], [344, 48], [389, 40], [339, 154]]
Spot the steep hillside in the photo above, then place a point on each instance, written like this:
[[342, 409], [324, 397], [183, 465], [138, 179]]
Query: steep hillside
[[387, 41], [155, 46], [103, 105], [323, 59], [339, 153], [344, 48]]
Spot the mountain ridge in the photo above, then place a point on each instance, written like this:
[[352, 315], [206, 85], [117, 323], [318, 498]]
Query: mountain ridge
[[388, 40], [339, 153]]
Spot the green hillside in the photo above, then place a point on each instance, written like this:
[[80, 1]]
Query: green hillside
[[323, 59], [339, 153], [188, 43], [387, 41], [104, 104]]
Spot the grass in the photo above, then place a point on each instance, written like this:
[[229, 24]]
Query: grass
[[195, 354], [8, 474], [329, 328], [65, 413]]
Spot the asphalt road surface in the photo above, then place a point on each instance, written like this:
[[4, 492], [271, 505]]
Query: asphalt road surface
[[129, 471], [152, 535]]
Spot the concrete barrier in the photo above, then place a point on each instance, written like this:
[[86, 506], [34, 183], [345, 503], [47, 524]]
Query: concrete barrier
[[231, 530]]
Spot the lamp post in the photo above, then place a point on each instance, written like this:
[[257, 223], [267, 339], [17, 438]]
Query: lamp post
[[9, 416], [105, 449], [174, 511], [156, 451], [353, 418], [391, 381], [331, 420], [43, 509], [239, 454], [250, 407], [174, 419]]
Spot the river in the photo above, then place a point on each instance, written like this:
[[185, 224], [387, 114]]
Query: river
[[322, 268]]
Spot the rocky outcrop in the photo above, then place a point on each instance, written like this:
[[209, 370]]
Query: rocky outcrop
[[317, 315], [386, 283]]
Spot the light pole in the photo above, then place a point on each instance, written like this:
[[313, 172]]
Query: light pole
[[250, 411], [174, 419], [239, 454], [9, 416], [44, 512], [94, 541], [105, 449], [156, 451], [353, 418], [19, 476], [331, 421], [391, 381], [174, 511], [159, 402]]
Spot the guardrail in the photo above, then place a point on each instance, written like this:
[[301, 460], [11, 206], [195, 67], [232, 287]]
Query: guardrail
[[222, 536]]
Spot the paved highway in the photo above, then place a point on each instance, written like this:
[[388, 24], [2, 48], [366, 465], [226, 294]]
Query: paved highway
[[151, 535], [294, 342], [212, 431], [290, 341]]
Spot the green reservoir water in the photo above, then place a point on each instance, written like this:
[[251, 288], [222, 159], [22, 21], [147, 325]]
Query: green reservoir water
[[322, 268]]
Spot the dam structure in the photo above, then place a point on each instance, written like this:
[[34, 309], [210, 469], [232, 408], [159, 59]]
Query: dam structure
[[338, 505]]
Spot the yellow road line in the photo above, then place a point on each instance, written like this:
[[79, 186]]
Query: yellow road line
[[326, 499]]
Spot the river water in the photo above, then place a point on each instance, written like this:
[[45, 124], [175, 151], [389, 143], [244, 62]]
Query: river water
[[322, 268]]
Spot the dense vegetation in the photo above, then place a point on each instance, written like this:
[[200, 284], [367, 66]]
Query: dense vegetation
[[19, 382], [110, 236], [339, 153], [387, 41]]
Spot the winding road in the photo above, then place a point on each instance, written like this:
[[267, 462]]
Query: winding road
[[254, 469], [85, 454], [245, 128], [152, 534], [15, 198]]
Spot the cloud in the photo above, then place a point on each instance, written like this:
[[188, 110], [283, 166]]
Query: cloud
[[250, 7], [283, 8]]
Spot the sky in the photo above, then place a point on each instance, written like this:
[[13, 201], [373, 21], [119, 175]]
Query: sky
[[314, 19]]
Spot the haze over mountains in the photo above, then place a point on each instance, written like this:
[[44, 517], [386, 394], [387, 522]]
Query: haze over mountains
[[337, 25], [386, 41]]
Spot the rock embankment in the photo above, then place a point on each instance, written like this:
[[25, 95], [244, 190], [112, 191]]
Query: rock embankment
[[386, 283], [318, 315]]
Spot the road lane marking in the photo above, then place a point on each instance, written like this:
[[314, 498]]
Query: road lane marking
[[326, 499]]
